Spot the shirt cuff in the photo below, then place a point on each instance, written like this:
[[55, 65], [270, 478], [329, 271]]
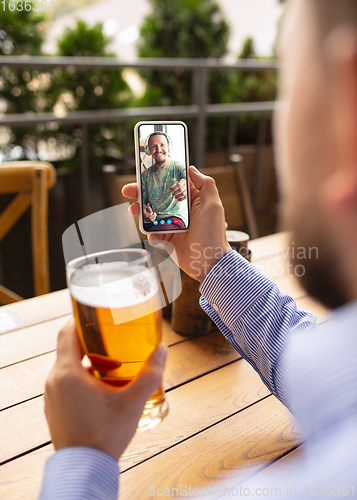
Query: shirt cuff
[[80, 473], [232, 286]]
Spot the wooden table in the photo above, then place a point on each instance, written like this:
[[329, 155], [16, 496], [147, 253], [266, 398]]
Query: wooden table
[[223, 422]]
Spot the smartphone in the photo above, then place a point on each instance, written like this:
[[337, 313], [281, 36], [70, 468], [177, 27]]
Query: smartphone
[[161, 155]]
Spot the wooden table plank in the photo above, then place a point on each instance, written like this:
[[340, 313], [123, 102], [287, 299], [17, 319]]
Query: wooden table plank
[[222, 422], [29, 342], [291, 459], [197, 356], [234, 448], [196, 406], [168, 335], [193, 407], [25, 343], [56, 304], [275, 267], [24, 380], [39, 309], [269, 246], [23, 428], [38, 339], [21, 479], [35, 340], [290, 286], [186, 361]]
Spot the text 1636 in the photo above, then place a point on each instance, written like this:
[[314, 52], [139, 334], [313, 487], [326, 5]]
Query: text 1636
[[35, 5]]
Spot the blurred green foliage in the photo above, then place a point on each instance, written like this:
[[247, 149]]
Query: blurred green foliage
[[251, 86], [184, 28], [75, 89], [197, 28], [90, 88], [61, 91], [178, 28], [21, 33], [187, 29]]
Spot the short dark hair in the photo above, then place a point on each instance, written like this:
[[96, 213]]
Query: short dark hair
[[158, 133]]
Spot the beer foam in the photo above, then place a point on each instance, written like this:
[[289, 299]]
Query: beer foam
[[113, 285]]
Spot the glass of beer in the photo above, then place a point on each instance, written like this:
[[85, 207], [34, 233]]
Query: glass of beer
[[115, 297]]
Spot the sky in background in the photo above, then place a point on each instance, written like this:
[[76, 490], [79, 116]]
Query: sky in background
[[122, 20]]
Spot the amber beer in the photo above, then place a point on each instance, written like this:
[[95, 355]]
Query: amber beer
[[118, 320]]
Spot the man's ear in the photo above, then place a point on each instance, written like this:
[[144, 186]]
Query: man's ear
[[340, 190]]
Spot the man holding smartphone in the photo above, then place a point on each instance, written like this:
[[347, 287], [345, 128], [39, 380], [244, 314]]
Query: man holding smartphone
[[164, 188]]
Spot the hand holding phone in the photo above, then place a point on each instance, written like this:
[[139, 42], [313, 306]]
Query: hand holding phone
[[199, 248]]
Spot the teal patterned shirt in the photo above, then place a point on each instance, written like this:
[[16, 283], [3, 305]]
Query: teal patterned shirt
[[157, 182]]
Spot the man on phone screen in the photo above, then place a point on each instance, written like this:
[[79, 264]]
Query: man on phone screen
[[164, 188]]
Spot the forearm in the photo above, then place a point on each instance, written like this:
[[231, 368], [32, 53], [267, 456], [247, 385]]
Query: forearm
[[253, 315], [80, 473], [144, 191]]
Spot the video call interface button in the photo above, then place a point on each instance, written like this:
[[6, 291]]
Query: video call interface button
[[169, 221], [162, 222], [176, 221], [155, 223]]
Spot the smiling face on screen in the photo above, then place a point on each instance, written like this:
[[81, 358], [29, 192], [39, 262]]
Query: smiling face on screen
[[159, 149]]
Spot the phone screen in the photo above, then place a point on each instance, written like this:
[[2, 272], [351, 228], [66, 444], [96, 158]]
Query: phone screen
[[163, 176]]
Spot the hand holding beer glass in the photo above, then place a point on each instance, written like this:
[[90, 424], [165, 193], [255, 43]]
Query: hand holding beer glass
[[115, 296]]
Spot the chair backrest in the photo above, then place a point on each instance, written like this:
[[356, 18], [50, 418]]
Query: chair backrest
[[229, 193], [31, 180], [115, 184], [235, 194]]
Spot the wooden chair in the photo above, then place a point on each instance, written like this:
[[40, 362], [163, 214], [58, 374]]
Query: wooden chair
[[31, 180], [235, 195], [115, 184]]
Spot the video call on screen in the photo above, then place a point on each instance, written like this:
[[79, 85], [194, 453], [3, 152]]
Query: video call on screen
[[163, 169]]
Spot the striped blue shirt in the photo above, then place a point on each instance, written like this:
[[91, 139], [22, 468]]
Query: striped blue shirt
[[253, 315], [80, 473], [312, 370]]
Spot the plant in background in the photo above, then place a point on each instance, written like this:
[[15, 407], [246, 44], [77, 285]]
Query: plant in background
[[75, 89], [21, 33], [59, 91], [251, 86], [182, 28], [187, 29], [197, 29]]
